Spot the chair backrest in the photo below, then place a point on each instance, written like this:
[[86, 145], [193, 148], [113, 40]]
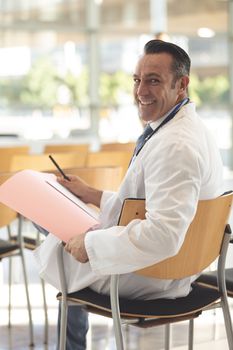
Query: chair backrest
[[7, 215], [41, 162], [117, 146], [60, 148], [202, 242], [98, 159], [6, 154], [102, 178]]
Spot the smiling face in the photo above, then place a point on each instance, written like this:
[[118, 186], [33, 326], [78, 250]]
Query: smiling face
[[156, 90]]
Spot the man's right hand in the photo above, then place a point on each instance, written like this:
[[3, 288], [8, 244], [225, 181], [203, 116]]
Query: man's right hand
[[81, 189]]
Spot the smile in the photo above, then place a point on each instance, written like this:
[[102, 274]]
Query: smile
[[148, 103]]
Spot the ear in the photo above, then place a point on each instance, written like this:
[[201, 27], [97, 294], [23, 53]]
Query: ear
[[184, 81]]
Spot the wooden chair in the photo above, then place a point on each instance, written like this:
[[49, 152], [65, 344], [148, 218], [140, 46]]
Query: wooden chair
[[98, 159], [41, 162], [60, 148], [207, 239], [102, 178], [118, 146], [6, 154], [9, 249]]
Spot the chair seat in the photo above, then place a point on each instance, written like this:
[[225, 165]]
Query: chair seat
[[210, 279], [7, 247], [198, 298], [29, 242]]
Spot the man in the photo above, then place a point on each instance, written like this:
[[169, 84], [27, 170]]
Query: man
[[175, 166]]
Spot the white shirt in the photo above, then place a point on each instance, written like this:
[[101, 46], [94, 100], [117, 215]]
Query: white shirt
[[178, 166]]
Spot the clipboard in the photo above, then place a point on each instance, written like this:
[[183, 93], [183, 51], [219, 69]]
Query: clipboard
[[132, 208]]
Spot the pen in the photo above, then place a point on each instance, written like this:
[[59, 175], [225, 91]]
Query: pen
[[58, 168]]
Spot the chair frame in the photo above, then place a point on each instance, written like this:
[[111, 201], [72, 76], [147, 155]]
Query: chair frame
[[118, 319], [18, 251]]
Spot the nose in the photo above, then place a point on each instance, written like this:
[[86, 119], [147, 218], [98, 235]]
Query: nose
[[142, 89]]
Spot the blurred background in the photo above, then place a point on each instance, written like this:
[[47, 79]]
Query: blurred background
[[66, 77], [66, 66]]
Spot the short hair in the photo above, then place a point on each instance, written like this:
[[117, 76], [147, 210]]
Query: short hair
[[181, 60]]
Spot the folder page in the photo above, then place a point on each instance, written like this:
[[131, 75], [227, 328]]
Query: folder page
[[41, 199]]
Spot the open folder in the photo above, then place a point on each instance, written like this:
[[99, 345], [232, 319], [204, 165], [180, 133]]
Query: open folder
[[41, 199]]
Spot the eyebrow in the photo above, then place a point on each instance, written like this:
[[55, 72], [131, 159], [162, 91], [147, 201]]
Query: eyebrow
[[149, 75]]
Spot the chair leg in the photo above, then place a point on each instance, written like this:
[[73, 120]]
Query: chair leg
[[46, 329], [63, 326], [116, 312], [9, 291], [27, 297], [167, 336], [190, 335], [228, 322], [64, 304]]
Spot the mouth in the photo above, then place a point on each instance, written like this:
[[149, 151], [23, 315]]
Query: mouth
[[146, 103]]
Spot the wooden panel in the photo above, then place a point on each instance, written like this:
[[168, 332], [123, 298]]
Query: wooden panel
[[7, 215], [53, 148], [6, 154], [41, 162], [102, 178], [117, 146], [202, 243], [98, 159]]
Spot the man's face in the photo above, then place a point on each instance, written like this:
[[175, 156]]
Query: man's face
[[155, 89]]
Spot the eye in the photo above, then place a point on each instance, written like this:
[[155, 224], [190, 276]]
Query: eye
[[136, 81], [154, 81]]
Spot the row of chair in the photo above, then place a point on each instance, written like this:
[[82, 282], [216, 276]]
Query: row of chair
[[41, 162]]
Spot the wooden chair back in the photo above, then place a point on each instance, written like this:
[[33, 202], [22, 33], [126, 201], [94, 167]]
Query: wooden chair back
[[117, 146], [41, 162], [99, 159], [202, 243], [53, 148], [6, 154], [102, 178], [7, 215]]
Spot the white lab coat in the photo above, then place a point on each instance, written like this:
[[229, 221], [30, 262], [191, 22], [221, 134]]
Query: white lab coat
[[178, 166]]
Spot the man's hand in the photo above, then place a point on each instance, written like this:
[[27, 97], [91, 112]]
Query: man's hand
[[76, 247], [81, 189]]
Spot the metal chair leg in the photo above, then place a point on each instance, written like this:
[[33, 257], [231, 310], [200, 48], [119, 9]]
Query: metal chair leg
[[26, 283], [167, 336], [64, 305], [190, 335], [228, 323], [64, 311], [9, 291], [46, 329], [116, 312]]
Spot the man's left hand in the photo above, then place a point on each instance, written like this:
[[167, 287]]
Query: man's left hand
[[76, 248]]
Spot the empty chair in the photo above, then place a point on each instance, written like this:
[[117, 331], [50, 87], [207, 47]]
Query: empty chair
[[102, 178], [118, 146], [41, 162], [98, 159], [6, 154], [207, 238], [9, 249], [60, 148]]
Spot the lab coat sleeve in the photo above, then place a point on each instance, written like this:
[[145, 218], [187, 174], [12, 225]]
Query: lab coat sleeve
[[172, 181]]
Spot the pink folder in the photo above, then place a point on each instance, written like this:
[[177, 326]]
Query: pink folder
[[41, 199]]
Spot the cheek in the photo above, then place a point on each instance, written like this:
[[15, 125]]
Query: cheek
[[135, 91]]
